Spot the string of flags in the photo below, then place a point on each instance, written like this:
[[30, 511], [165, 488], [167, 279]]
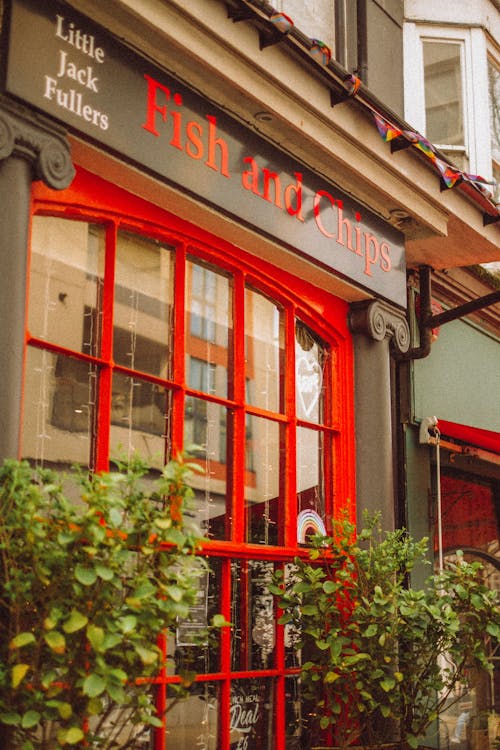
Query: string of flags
[[398, 138]]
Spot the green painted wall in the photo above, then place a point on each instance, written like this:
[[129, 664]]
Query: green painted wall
[[460, 380]]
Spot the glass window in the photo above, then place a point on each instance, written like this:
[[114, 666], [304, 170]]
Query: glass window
[[135, 348], [208, 323], [264, 349], [444, 105], [494, 102], [143, 298], [263, 502], [66, 278], [59, 409]]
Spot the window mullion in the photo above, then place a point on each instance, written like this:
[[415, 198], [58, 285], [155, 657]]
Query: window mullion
[[179, 356], [106, 354], [238, 419], [289, 455]]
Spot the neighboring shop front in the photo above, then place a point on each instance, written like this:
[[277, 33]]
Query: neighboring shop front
[[458, 474]]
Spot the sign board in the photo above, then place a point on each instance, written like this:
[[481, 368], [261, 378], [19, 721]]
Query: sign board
[[67, 66]]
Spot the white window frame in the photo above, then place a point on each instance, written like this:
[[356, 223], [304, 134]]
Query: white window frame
[[475, 87]]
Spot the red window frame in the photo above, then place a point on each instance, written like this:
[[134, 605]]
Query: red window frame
[[91, 198]]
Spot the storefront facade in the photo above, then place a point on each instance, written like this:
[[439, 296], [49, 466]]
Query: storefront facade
[[179, 274]]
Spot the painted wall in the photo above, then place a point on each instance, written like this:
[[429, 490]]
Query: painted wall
[[460, 380]]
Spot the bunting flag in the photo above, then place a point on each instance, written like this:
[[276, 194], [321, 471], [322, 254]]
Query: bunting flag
[[478, 178], [352, 84], [320, 51], [387, 131], [450, 176], [281, 22], [423, 144]]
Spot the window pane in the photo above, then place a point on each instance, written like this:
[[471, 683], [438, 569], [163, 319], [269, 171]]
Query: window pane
[[444, 104], [59, 409], [193, 723], [310, 485], [310, 357], [143, 305], [208, 321], [188, 648], [263, 481], [251, 715], [120, 732], [494, 97], [139, 413], [252, 614], [67, 261], [264, 350], [205, 436]]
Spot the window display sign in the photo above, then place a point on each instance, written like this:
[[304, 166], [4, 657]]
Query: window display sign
[[72, 69]]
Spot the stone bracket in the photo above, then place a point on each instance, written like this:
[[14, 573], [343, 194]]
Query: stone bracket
[[378, 320], [39, 141]]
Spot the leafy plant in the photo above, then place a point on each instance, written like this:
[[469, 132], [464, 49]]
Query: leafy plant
[[87, 584], [380, 659]]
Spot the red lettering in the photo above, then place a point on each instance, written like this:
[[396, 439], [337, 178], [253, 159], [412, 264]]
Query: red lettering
[[370, 241], [272, 177], [194, 145], [250, 177], [213, 144], [176, 139], [294, 191], [385, 257], [344, 223], [152, 108], [317, 211]]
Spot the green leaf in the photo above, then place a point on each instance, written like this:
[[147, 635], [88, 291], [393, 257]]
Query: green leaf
[[127, 624], [309, 609], [70, 736], [10, 718], [18, 674], [147, 656], [331, 677], [175, 593], [329, 587], [219, 621], [64, 709], [85, 576], [388, 684], [75, 622], [324, 722], [163, 523], [22, 639], [30, 719], [96, 637], [144, 591], [104, 572], [55, 641], [93, 685]]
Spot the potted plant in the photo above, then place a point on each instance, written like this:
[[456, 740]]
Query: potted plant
[[379, 658], [89, 580]]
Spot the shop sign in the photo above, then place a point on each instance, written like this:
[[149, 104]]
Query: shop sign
[[74, 70]]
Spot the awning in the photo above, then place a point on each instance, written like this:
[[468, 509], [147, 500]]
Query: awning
[[485, 439]]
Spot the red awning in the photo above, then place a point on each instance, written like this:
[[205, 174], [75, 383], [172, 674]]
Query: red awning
[[486, 439]]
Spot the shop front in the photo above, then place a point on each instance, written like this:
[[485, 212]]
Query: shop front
[[133, 325]]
